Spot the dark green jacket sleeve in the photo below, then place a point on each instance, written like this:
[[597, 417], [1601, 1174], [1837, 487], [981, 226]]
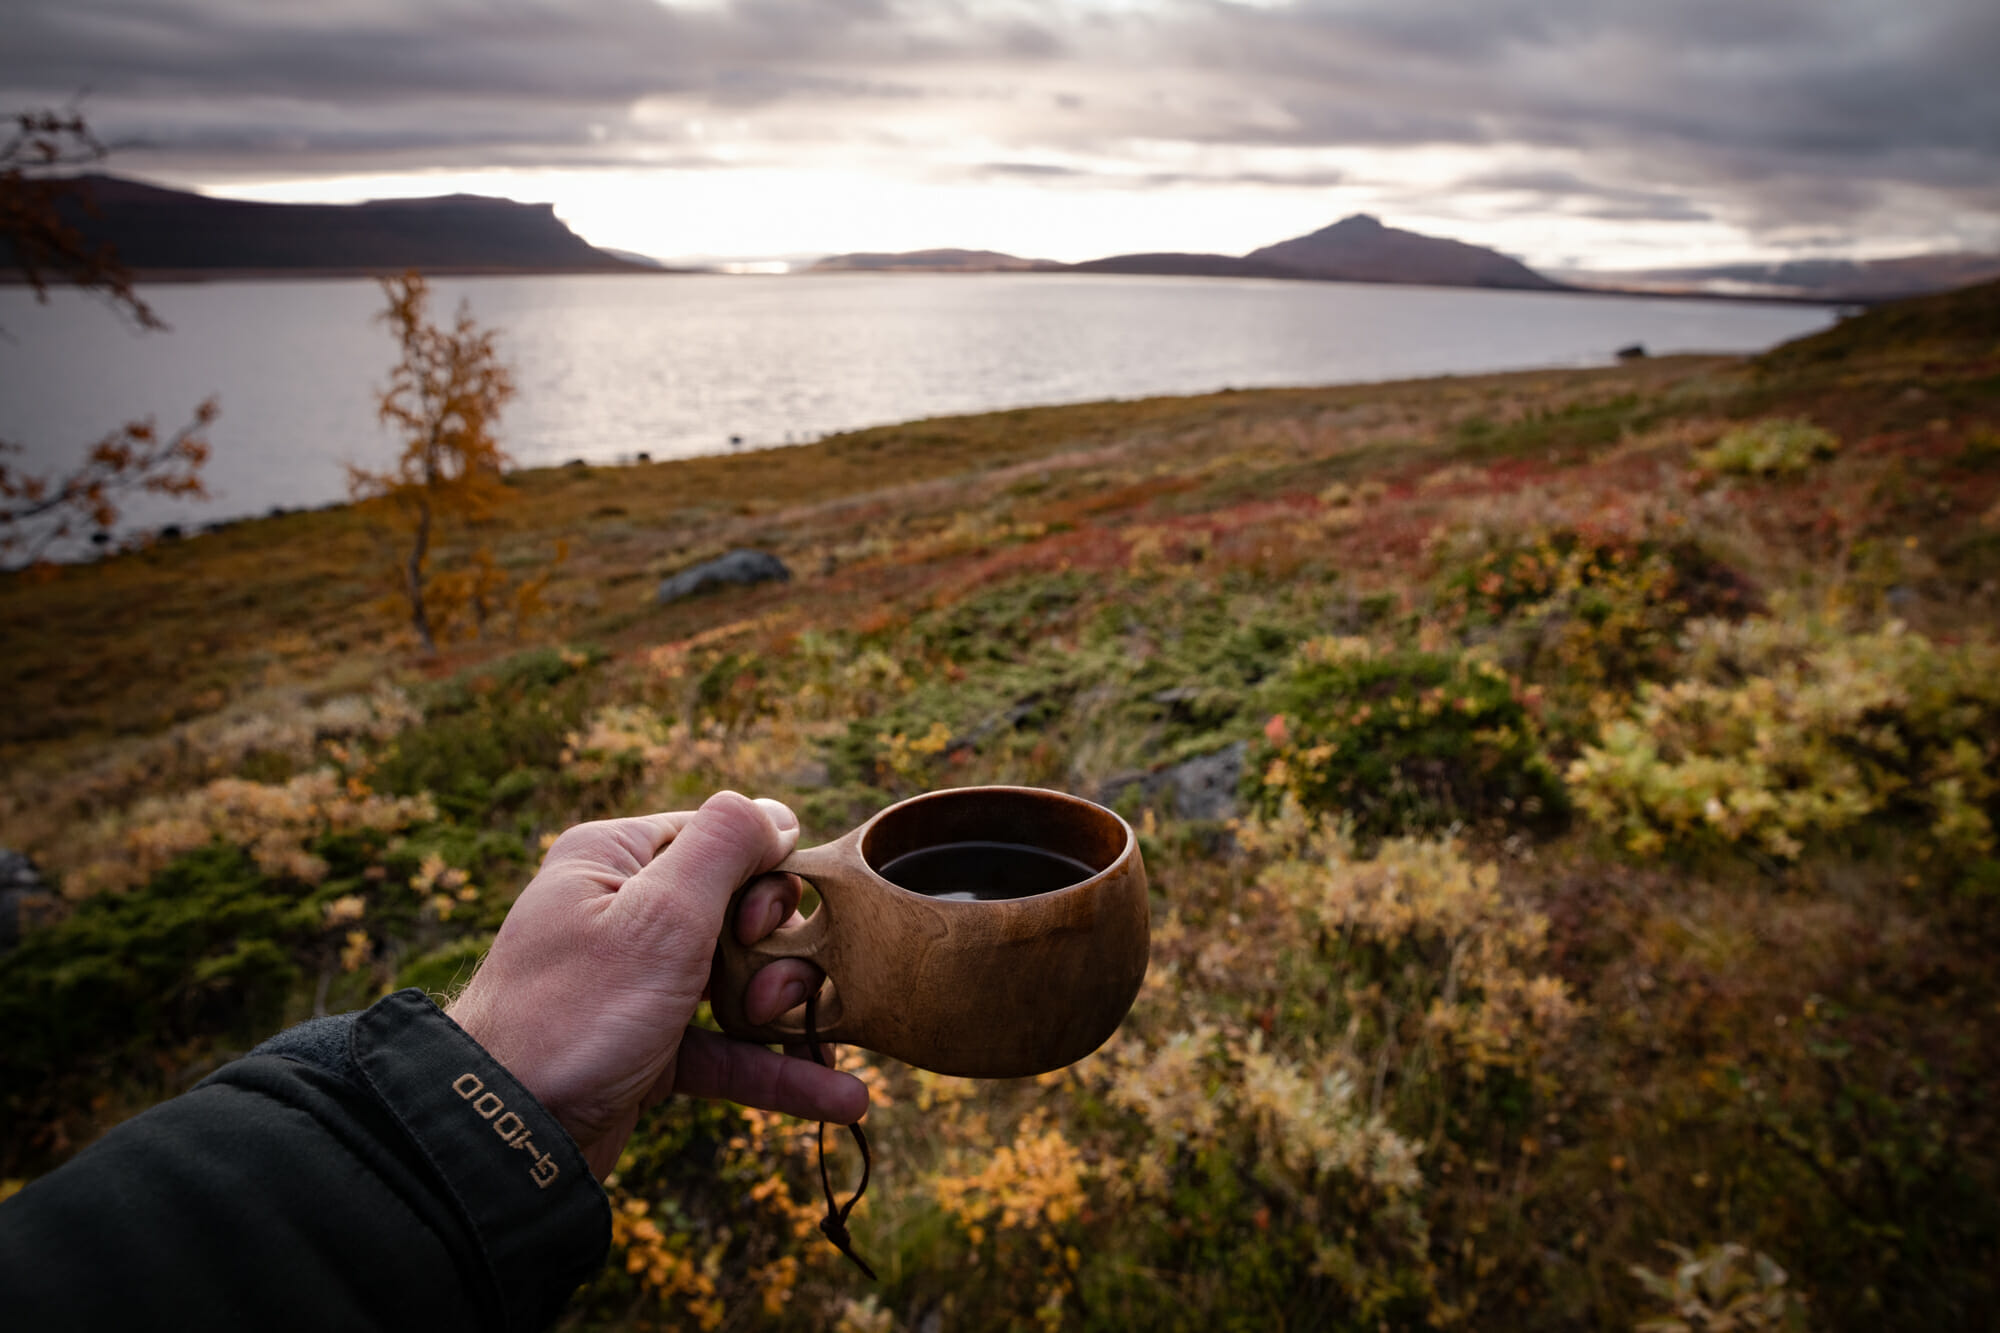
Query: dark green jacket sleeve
[[378, 1170]]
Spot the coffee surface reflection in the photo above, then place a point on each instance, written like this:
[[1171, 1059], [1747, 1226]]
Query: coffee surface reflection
[[984, 871]]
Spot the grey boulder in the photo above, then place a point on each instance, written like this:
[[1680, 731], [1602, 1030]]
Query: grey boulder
[[1203, 787], [737, 569]]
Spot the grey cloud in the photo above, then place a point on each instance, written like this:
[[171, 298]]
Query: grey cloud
[[1549, 190], [1780, 113], [1042, 169], [1297, 180]]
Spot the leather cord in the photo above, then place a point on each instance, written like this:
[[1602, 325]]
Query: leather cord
[[834, 1224]]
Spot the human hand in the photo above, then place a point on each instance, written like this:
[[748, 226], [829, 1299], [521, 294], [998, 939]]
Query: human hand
[[588, 989]]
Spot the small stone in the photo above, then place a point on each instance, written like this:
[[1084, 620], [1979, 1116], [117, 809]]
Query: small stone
[[24, 897]]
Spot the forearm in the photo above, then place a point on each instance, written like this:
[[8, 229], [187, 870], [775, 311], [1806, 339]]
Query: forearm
[[387, 1174]]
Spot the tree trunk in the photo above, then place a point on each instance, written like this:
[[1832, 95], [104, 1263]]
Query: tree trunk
[[413, 579]]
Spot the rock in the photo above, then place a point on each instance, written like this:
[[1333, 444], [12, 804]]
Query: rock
[[1203, 787], [737, 569], [24, 897]]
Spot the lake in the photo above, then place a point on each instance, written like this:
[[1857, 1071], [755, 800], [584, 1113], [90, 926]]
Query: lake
[[609, 366]]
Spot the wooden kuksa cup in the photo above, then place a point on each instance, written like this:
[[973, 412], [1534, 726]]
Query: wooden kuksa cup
[[994, 988]]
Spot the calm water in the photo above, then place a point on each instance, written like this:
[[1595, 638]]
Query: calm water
[[609, 366]]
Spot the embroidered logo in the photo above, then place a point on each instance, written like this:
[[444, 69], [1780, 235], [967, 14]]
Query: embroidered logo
[[513, 1130]]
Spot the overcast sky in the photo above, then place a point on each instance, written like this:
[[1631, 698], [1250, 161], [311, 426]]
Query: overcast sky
[[1598, 132]]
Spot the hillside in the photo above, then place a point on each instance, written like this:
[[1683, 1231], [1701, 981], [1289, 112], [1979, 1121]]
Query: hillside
[[158, 232], [1569, 798], [1183, 264]]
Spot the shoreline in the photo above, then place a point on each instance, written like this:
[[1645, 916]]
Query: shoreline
[[189, 276], [534, 475]]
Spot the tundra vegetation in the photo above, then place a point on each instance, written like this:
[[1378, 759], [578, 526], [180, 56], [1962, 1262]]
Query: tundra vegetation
[[1601, 937]]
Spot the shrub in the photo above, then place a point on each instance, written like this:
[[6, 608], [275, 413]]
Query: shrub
[[207, 946], [1710, 1290], [486, 733], [1275, 1111], [1583, 611], [1785, 732], [1774, 446], [277, 823], [1400, 741]]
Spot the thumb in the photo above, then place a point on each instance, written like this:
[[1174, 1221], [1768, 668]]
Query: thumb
[[682, 893]]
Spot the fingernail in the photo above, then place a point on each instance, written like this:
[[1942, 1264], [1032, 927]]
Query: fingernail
[[792, 996], [781, 814]]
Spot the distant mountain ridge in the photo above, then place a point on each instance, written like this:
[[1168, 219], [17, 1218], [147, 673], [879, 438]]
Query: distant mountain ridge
[[157, 232], [931, 261], [1355, 249], [1819, 279]]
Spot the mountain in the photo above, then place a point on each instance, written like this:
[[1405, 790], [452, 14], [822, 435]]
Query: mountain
[[159, 232], [1361, 249], [634, 257], [931, 261], [1354, 249], [1812, 279]]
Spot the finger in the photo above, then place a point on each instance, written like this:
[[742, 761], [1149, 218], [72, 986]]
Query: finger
[[779, 987], [768, 903], [712, 1065], [613, 850], [677, 901]]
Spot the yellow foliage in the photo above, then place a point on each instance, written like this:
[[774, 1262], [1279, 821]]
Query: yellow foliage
[[1785, 730], [357, 951], [348, 907], [666, 1271], [273, 821], [1486, 1000], [445, 395], [1313, 1120], [907, 759], [1036, 1181], [1172, 1088]]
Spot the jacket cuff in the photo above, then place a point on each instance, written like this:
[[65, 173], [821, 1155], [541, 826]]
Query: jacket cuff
[[516, 1176]]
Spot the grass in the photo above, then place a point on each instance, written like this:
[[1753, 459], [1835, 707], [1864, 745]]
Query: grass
[[1412, 1050]]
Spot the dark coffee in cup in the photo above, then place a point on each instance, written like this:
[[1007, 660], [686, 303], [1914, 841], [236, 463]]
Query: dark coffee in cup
[[984, 871]]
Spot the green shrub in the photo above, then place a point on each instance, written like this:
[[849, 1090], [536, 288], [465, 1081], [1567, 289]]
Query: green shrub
[[490, 738], [1582, 611], [208, 946], [1401, 741], [1774, 446], [1785, 732]]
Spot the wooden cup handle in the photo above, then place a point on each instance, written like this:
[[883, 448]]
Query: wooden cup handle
[[736, 963]]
